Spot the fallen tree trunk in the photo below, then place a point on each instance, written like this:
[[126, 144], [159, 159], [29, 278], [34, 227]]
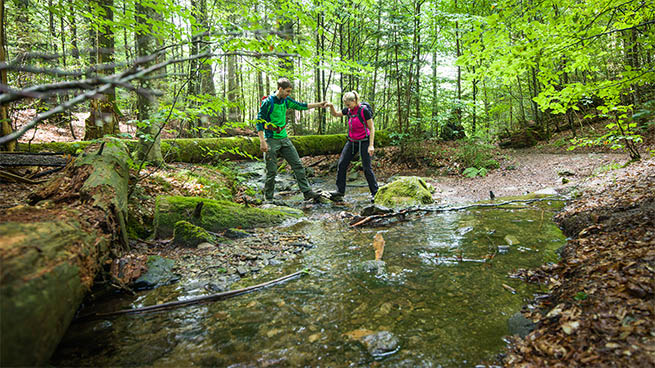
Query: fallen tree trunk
[[195, 150], [25, 159], [51, 252]]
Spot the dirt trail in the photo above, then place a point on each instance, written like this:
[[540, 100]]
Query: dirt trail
[[528, 172]]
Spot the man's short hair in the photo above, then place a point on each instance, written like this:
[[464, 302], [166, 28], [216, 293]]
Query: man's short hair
[[284, 83]]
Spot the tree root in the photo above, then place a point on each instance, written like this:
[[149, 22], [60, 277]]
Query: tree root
[[359, 221], [197, 300]]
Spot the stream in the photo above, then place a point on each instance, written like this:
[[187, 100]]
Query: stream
[[444, 296]]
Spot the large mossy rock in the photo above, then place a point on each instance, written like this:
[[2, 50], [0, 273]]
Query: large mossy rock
[[405, 191], [190, 235], [214, 215]]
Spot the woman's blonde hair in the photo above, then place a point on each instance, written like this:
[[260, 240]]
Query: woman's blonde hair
[[351, 96]]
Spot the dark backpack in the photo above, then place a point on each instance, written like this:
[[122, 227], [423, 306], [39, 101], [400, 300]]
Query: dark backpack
[[362, 106]]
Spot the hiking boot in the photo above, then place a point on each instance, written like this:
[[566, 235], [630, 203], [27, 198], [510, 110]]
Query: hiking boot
[[336, 196], [310, 195]]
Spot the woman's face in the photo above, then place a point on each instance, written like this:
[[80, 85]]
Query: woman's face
[[351, 104]]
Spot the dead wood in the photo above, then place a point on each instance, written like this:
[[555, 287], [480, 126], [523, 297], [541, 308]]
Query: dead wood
[[359, 220], [197, 300], [32, 159]]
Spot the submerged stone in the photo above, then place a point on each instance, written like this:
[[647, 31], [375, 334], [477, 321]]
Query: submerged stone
[[405, 191], [159, 273], [519, 325], [381, 343], [373, 266]]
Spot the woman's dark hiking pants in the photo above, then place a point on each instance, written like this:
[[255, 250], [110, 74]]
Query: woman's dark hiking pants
[[347, 154]]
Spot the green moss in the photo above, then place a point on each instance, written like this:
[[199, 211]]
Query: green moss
[[405, 191], [188, 234], [215, 215], [135, 229], [214, 149]]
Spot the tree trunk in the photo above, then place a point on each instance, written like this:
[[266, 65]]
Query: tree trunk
[[475, 92], [520, 98], [458, 108], [103, 118], [286, 63], [73, 26], [50, 255], [149, 133], [4, 113], [63, 34], [372, 94], [317, 72], [51, 27]]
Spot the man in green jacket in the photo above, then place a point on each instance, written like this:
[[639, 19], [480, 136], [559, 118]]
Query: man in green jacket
[[273, 139]]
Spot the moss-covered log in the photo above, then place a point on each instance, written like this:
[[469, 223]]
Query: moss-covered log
[[210, 149], [51, 252], [214, 215]]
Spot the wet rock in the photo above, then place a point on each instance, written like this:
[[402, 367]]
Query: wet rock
[[405, 191], [206, 245], [373, 266], [216, 287], [159, 273], [381, 343], [519, 325], [511, 240], [547, 191], [314, 337], [503, 249], [375, 209], [242, 270], [236, 234]]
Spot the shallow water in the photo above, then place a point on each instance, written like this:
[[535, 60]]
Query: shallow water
[[440, 295]]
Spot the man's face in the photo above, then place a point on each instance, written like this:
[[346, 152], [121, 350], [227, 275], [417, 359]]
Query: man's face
[[283, 93]]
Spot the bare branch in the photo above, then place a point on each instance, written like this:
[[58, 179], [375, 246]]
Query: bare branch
[[116, 80]]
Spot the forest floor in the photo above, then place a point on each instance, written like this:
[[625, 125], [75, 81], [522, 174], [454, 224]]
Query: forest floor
[[601, 310]]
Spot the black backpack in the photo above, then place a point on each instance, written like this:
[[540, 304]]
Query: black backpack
[[363, 105]]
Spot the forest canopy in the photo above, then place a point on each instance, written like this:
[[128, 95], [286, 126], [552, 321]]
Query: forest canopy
[[430, 68]]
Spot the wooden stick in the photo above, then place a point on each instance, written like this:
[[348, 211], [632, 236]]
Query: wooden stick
[[182, 303]]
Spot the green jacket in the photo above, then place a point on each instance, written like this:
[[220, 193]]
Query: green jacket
[[278, 116]]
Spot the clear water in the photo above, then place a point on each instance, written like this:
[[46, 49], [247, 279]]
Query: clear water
[[445, 312]]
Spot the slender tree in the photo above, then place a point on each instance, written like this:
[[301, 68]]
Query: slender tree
[[149, 127], [4, 113], [103, 117]]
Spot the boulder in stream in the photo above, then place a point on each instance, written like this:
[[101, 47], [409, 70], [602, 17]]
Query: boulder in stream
[[405, 191]]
